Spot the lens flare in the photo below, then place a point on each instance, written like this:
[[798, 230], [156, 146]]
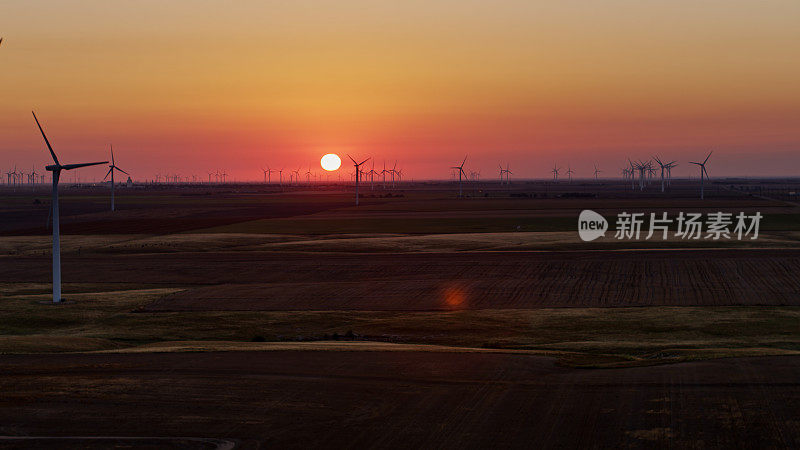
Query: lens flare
[[455, 297]]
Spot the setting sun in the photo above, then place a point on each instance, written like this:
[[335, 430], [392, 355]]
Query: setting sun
[[330, 162]]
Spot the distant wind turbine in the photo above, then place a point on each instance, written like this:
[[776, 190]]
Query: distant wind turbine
[[460, 172], [703, 173], [111, 170], [358, 172], [56, 168], [665, 169]]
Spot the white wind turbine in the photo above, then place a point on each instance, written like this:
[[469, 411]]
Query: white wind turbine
[[358, 172], [632, 173], [669, 172], [296, 176], [111, 170], [703, 173], [665, 169], [56, 168], [461, 172], [267, 174]]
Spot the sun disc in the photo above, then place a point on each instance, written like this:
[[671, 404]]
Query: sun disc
[[330, 162]]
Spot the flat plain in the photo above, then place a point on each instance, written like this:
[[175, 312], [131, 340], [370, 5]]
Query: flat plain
[[261, 316]]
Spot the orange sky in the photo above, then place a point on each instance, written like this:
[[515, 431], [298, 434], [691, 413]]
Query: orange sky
[[189, 86]]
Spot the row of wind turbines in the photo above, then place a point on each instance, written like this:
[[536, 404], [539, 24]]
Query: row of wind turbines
[[645, 170], [295, 176]]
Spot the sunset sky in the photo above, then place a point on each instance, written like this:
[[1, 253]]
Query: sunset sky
[[191, 86]]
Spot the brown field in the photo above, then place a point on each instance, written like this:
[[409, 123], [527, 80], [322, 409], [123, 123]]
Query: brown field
[[257, 280], [312, 399], [246, 316]]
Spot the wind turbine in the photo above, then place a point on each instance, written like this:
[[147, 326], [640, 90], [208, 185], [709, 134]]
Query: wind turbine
[[664, 169], [508, 173], [32, 175], [569, 173], [358, 171], [502, 171], [460, 172], [669, 167], [596, 172], [702, 173], [56, 169], [632, 173], [555, 173], [111, 170], [372, 177]]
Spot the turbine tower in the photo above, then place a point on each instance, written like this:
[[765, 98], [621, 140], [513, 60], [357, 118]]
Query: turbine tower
[[665, 169], [56, 168], [460, 172], [111, 170], [358, 171], [703, 173], [632, 173], [669, 172]]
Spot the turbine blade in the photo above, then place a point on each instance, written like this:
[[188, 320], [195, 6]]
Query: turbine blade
[[75, 166], [465, 160], [52, 153], [126, 173], [709, 156], [351, 159], [362, 162], [107, 174], [112, 154]]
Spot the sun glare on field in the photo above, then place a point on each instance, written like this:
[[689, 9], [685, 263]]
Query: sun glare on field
[[455, 297], [330, 162]]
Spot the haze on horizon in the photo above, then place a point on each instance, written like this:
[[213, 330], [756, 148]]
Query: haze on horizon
[[190, 86]]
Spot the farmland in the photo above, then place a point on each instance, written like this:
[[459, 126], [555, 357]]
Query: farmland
[[490, 307]]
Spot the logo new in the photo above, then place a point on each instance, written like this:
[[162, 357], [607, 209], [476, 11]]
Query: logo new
[[591, 225]]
